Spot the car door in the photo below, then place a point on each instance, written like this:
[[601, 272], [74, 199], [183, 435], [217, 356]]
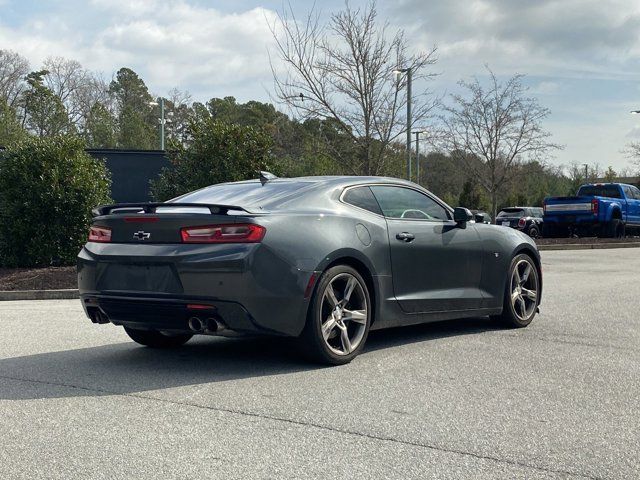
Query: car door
[[436, 264], [633, 202]]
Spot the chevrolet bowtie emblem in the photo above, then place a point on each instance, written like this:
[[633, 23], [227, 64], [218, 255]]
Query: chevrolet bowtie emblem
[[141, 235]]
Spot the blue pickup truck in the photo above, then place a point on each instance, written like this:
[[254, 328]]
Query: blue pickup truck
[[603, 209]]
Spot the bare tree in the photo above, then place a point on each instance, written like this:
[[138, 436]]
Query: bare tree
[[13, 70], [179, 113], [342, 72], [632, 150], [498, 125], [78, 88]]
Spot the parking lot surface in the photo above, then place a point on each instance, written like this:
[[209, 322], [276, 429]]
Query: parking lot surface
[[464, 399]]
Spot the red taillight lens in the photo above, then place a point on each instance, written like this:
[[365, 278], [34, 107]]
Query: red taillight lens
[[99, 234], [232, 233], [594, 206], [522, 222]]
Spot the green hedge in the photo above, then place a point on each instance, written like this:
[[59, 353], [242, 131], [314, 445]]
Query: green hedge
[[48, 187], [219, 152]]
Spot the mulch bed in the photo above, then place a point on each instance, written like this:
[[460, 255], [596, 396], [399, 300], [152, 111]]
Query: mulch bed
[[50, 278]]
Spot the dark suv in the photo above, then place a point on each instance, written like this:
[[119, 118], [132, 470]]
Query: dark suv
[[525, 219]]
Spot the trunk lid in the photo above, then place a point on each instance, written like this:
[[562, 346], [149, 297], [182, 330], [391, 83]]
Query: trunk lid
[[162, 223]]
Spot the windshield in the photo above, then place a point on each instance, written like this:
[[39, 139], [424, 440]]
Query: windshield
[[611, 191], [511, 212]]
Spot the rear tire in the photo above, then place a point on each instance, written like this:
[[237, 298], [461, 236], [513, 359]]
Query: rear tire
[[155, 339], [339, 317], [613, 229], [534, 233], [522, 293]]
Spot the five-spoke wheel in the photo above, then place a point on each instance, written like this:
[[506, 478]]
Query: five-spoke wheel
[[339, 316], [522, 292]]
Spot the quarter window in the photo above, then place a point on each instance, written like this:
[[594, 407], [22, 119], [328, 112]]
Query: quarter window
[[363, 198], [399, 202]]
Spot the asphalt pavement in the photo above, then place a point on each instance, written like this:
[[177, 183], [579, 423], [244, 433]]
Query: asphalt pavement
[[464, 399]]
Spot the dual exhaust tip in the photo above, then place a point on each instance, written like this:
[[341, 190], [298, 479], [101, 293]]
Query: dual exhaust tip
[[207, 325]]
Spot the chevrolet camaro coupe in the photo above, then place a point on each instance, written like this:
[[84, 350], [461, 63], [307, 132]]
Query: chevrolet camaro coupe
[[325, 259]]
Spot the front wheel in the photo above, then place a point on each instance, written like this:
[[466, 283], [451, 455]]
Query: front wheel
[[155, 339], [339, 317], [521, 296]]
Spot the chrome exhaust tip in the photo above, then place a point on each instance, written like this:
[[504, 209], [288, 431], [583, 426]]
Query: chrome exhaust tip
[[195, 324], [214, 325]]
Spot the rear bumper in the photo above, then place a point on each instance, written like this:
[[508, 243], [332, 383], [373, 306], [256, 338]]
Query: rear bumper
[[167, 314], [250, 287], [582, 221]]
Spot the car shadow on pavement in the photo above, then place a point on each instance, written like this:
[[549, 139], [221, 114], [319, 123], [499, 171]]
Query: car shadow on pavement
[[127, 368]]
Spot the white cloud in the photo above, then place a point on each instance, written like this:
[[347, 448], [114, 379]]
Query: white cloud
[[168, 43]]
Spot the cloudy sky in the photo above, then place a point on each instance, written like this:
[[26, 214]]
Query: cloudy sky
[[581, 58]]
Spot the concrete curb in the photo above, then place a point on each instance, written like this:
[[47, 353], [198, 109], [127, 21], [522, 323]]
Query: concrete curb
[[38, 294], [588, 246]]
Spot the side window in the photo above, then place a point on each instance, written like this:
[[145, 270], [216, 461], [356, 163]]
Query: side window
[[636, 193], [363, 198], [399, 202], [628, 192]]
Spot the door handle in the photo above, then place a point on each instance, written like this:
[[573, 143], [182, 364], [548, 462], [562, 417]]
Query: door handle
[[405, 236]]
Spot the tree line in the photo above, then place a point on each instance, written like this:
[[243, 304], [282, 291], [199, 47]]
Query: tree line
[[486, 145]]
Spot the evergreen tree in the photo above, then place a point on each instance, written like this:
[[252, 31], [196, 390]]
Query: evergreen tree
[[45, 115], [100, 128], [10, 128], [137, 125]]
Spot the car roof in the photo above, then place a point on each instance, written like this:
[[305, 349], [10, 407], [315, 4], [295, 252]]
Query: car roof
[[309, 190], [332, 180]]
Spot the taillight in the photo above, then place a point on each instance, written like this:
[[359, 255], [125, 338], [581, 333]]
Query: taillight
[[544, 206], [231, 233], [522, 222], [594, 206], [99, 234]]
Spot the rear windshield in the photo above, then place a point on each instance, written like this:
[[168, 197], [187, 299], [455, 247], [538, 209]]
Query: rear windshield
[[511, 212], [246, 194], [611, 191]]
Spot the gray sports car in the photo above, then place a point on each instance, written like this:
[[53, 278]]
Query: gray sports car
[[325, 259]]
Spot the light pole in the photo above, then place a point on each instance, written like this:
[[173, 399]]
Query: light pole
[[399, 72], [163, 121], [417, 133], [586, 172]]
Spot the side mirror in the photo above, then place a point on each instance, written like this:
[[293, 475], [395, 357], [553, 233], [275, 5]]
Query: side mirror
[[461, 216]]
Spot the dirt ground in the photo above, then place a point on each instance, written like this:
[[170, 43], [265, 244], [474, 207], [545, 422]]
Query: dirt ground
[[50, 278]]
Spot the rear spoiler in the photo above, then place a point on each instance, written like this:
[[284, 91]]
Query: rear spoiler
[[151, 208]]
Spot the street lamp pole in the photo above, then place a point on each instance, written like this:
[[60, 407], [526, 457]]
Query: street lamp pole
[[586, 172], [162, 122], [417, 134], [408, 71]]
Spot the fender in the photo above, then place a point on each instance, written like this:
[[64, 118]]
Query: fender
[[611, 208]]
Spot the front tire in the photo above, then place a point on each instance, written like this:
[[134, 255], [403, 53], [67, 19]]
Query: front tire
[[522, 293], [339, 317], [155, 339]]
